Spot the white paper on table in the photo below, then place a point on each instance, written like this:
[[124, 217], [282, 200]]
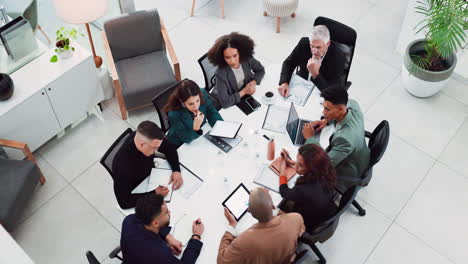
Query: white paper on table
[[162, 164], [276, 119], [142, 187], [190, 185], [225, 129], [160, 177], [299, 90], [182, 227], [157, 177], [267, 178]]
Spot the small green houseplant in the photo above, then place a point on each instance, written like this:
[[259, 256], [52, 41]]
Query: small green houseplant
[[432, 60], [63, 47]]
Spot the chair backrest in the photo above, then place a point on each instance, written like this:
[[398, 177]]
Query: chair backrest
[[209, 71], [378, 142], [328, 227], [344, 38], [134, 34], [91, 258], [108, 157], [160, 100], [30, 14]]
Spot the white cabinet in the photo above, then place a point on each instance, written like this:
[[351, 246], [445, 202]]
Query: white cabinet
[[74, 93], [48, 97], [33, 121]]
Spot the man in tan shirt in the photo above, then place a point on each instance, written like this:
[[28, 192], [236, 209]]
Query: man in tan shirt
[[272, 240]]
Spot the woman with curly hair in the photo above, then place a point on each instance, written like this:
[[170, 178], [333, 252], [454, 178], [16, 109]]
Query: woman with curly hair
[[314, 192], [238, 71], [188, 109]]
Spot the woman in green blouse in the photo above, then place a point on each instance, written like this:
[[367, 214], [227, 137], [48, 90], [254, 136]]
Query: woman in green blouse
[[188, 109]]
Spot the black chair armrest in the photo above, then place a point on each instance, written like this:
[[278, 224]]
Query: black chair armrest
[[347, 85], [368, 134], [115, 253]]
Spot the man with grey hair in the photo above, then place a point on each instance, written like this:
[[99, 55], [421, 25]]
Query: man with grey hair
[[318, 59], [272, 240], [135, 159]]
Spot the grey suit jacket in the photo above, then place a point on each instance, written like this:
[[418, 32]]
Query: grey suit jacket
[[348, 150], [226, 85]]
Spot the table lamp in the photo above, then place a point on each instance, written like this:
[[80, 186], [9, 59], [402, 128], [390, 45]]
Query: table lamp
[[82, 12]]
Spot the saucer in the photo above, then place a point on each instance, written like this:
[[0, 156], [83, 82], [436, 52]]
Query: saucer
[[268, 101]]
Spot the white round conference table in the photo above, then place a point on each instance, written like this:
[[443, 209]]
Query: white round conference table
[[240, 165]]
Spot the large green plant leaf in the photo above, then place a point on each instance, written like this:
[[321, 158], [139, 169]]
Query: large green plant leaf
[[443, 25]]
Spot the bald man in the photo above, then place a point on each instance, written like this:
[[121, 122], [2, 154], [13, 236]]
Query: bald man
[[272, 240]]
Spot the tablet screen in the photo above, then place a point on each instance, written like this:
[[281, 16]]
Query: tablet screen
[[238, 201]]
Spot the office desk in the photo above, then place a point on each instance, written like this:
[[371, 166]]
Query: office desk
[[241, 164]]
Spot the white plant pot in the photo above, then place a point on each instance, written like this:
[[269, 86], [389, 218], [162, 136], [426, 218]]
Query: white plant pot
[[65, 54], [424, 83], [419, 87]]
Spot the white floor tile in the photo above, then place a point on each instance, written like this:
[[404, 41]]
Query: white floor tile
[[96, 186], [64, 229], [377, 34], [457, 90], [399, 246], [437, 213], [427, 123], [395, 177], [355, 236], [43, 193], [455, 154], [83, 145], [369, 77]]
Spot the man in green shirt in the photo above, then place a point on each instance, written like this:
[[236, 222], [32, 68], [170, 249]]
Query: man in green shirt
[[348, 150]]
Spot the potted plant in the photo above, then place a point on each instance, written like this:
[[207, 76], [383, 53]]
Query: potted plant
[[63, 46], [428, 63]]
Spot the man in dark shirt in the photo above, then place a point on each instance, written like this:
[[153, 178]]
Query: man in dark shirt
[[134, 162], [145, 235], [319, 61]]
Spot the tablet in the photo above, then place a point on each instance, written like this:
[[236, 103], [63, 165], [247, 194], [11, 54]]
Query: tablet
[[238, 201], [225, 129]]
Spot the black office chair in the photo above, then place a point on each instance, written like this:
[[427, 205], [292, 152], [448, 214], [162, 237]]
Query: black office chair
[[160, 100], [326, 230], [209, 71], [378, 142], [344, 38], [303, 256], [108, 157], [93, 260]]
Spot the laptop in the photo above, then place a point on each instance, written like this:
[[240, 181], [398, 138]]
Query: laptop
[[294, 127]]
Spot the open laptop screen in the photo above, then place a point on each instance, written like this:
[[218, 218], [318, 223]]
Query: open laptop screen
[[293, 122]]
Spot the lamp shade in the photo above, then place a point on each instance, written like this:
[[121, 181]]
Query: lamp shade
[[80, 11]]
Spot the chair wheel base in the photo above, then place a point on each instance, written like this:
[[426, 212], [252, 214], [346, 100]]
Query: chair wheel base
[[362, 212]]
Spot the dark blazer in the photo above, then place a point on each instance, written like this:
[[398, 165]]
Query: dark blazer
[[226, 89], [313, 200], [181, 120], [141, 246], [331, 71]]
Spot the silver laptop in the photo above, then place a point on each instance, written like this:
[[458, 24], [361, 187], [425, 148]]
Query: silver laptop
[[294, 127]]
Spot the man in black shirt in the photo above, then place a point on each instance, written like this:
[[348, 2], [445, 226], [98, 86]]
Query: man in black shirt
[[317, 59], [134, 162]]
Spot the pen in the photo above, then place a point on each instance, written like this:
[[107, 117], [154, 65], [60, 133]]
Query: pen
[[267, 138]]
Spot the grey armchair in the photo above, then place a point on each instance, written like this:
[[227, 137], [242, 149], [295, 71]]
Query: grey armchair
[[135, 46], [18, 178]]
